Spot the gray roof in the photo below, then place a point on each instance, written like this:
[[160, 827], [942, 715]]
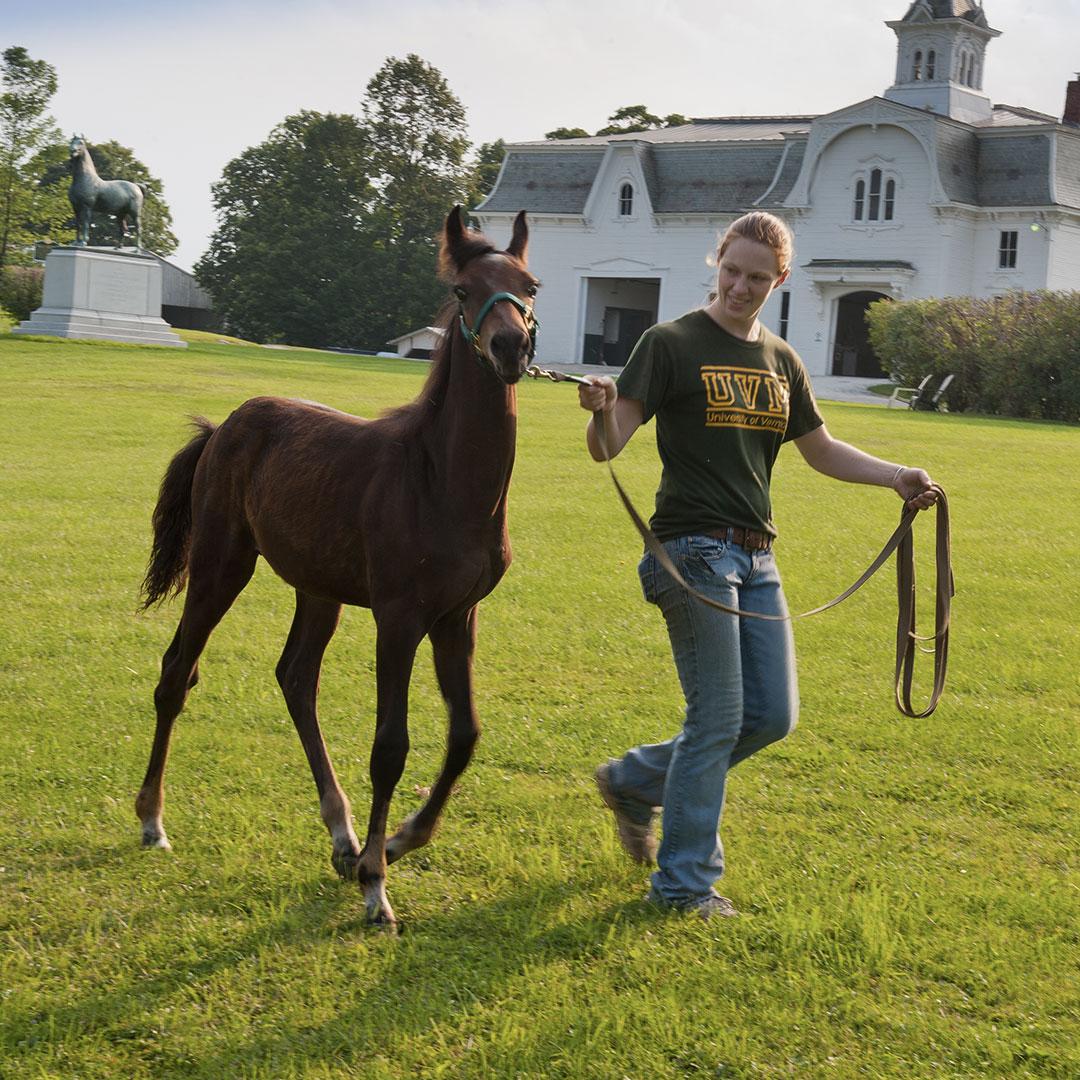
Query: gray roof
[[1068, 169], [706, 129], [948, 9], [545, 182], [711, 179], [1014, 170], [725, 164], [958, 163]]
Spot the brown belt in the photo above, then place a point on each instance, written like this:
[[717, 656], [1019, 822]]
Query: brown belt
[[746, 538]]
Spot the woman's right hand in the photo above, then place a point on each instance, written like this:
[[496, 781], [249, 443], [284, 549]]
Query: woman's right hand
[[598, 394]]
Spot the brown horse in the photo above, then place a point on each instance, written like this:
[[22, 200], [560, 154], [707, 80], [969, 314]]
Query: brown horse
[[405, 514]]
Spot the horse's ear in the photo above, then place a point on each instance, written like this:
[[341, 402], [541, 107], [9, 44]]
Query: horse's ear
[[452, 238], [519, 242]]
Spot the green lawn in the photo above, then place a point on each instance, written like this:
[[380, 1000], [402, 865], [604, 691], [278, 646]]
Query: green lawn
[[909, 888]]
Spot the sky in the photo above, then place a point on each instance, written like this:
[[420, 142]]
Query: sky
[[189, 86]]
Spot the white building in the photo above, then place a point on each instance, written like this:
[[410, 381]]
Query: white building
[[928, 190]]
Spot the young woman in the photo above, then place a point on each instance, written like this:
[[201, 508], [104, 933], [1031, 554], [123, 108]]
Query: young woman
[[726, 394]]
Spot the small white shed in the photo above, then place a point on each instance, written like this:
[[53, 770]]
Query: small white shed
[[418, 344]]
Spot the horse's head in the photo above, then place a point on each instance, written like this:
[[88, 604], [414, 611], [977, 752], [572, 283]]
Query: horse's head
[[495, 292], [77, 148]]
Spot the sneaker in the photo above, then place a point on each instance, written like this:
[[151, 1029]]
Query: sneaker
[[638, 840], [715, 906]]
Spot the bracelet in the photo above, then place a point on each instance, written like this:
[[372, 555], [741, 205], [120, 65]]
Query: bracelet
[[896, 475]]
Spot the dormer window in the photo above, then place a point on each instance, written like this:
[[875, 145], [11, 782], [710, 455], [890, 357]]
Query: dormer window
[[626, 200], [916, 74]]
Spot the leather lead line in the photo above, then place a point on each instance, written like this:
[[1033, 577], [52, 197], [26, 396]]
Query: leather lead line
[[900, 542]]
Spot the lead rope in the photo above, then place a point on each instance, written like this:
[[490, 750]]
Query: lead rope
[[907, 641]]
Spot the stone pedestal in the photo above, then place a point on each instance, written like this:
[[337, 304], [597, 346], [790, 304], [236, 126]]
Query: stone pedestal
[[102, 293]]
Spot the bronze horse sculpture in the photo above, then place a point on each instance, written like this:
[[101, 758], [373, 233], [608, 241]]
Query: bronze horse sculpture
[[88, 192], [404, 514]]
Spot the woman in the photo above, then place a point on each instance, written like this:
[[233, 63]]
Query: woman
[[726, 393]]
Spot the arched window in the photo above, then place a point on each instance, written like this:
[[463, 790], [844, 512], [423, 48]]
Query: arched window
[[860, 198], [875, 195], [916, 74], [626, 200], [931, 63], [890, 199]]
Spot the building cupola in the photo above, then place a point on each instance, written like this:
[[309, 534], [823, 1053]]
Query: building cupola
[[940, 58]]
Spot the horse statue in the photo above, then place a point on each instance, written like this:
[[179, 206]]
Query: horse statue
[[88, 192], [404, 514]]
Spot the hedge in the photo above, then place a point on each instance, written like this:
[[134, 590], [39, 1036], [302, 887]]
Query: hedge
[[1011, 355], [20, 290]]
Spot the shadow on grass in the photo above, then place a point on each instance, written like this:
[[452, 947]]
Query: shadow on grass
[[440, 971], [437, 971]]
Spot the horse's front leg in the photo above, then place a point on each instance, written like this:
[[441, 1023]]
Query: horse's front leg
[[398, 634], [453, 640], [82, 226]]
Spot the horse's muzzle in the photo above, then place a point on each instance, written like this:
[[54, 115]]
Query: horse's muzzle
[[510, 350]]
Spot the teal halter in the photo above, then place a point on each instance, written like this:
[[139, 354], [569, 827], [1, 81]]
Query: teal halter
[[473, 336]]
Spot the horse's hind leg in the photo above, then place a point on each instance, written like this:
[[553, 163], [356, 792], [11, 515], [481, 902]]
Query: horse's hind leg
[[298, 675], [217, 577], [453, 640]]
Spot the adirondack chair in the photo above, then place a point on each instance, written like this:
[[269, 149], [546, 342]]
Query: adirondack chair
[[922, 397]]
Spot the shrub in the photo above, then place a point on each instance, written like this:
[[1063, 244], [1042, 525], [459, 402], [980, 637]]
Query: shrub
[[20, 290], [1011, 355]]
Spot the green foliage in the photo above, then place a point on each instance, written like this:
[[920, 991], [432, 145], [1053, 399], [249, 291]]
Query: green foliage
[[417, 127], [1012, 355], [328, 231], [288, 258], [908, 889], [567, 133], [20, 290], [486, 165], [25, 129], [624, 121], [56, 220]]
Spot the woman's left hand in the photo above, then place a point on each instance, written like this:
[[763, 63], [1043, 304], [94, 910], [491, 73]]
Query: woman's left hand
[[913, 486]]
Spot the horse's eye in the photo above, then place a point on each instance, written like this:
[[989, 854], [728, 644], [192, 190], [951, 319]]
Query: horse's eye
[[460, 293], [532, 290]]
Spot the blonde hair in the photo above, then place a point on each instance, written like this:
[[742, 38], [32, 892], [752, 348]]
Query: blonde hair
[[765, 229]]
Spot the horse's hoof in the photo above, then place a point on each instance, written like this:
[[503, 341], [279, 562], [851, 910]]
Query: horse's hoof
[[156, 839], [347, 864]]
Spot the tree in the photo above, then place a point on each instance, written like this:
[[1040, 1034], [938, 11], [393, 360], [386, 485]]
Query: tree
[[567, 133], [630, 118], [328, 230], [488, 162], [623, 121], [54, 217], [25, 128], [417, 132], [288, 258]]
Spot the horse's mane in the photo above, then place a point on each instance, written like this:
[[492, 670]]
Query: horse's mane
[[412, 415]]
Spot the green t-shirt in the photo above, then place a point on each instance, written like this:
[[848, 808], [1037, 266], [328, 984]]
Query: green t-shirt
[[723, 408]]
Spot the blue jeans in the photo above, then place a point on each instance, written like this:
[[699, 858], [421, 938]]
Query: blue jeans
[[738, 678]]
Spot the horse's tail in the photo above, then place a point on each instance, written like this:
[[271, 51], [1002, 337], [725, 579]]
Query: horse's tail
[[143, 188], [167, 570]]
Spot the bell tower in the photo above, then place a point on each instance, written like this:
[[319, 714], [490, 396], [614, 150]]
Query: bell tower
[[940, 59]]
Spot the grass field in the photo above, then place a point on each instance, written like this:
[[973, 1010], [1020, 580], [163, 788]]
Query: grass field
[[909, 888]]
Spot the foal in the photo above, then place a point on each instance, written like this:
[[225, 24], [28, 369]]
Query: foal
[[405, 515]]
